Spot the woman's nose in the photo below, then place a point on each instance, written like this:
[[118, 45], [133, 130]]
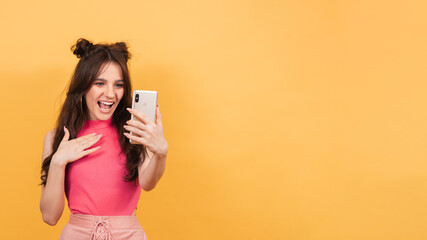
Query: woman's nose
[[109, 92]]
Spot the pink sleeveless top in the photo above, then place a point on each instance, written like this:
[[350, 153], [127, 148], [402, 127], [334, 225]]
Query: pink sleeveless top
[[95, 184]]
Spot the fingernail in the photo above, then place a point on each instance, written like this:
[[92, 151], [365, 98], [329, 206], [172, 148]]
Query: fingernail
[[93, 134], [129, 109]]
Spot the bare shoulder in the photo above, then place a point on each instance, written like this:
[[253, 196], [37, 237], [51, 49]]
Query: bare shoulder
[[48, 142]]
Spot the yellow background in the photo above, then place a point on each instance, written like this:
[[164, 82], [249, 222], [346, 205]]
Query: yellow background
[[285, 119]]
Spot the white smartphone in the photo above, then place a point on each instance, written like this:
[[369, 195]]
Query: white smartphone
[[146, 103]]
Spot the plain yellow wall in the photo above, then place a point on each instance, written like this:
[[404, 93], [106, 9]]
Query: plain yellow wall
[[285, 119]]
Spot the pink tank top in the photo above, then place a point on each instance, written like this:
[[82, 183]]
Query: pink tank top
[[95, 183]]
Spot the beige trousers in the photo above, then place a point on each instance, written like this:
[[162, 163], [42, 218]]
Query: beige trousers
[[82, 226]]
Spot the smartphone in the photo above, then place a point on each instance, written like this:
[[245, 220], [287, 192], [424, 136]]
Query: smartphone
[[146, 103]]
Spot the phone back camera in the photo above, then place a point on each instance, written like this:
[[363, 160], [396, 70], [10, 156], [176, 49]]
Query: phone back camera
[[136, 97]]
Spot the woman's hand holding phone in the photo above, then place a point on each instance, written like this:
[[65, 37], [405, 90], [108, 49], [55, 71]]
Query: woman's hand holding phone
[[72, 150], [146, 132]]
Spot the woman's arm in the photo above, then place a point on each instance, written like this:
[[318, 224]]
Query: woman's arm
[[52, 197], [150, 172], [151, 136]]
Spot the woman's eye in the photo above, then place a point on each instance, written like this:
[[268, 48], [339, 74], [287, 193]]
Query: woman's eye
[[99, 83], [119, 85]]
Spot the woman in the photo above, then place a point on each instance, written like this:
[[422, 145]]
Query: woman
[[89, 157]]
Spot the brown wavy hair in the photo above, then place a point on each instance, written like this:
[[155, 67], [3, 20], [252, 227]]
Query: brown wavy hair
[[74, 112]]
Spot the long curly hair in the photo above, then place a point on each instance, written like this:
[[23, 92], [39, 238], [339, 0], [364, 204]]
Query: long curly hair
[[74, 112]]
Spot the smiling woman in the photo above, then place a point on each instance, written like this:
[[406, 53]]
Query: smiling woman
[[88, 156], [105, 93]]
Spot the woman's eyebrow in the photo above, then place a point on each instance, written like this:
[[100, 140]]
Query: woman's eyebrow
[[103, 80]]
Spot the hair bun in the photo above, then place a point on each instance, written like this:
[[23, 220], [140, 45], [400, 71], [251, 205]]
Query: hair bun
[[82, 47], [123, 48]]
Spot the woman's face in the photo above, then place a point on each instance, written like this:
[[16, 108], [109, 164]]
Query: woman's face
[[106, 92]]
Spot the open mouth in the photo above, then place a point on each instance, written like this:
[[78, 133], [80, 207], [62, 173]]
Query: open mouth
[[105, 105]]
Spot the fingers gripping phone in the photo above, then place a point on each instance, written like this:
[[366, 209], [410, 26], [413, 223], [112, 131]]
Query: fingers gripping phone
[[145, 102]]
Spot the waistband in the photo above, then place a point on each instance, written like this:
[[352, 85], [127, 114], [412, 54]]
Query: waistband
[[116, 222], [101, 225]]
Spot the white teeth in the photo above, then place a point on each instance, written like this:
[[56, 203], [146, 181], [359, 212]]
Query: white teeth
[[106, 103]]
